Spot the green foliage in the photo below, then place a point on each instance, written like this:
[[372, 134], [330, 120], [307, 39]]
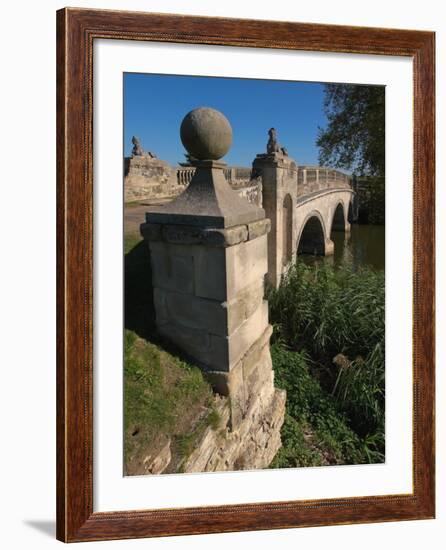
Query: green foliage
[[296, 451], [130, 241], [371, 196], [334, 319], [329, 311], [186, 442], [214, 419], [315, 431], [354, 138]]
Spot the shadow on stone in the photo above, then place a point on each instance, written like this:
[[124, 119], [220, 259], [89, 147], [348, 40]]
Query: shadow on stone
[[139, 314], [139, 310]]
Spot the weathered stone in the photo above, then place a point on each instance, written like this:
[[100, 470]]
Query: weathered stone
[[244, 305], [158, 463], [138, 151], [257, 229], [279, 176], [206, 134], [251, 445], [272, 146], [146, 178], [245, 264], [208, 202], [190, 311], [246, 335], [213, 351], [218, 380], [252, 358], [151, 231], [173, 267], [208, 273], [238, 398], [182, 234], [225, 237], [329, 247]]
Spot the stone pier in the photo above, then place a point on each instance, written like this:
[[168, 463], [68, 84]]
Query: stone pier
[[279, 174], [208, 252]]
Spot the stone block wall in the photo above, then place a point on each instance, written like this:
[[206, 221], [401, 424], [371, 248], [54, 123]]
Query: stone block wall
[[209, 300], [151, 179], [209, 297]]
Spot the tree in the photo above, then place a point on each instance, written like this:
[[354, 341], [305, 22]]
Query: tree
[[354, 136]]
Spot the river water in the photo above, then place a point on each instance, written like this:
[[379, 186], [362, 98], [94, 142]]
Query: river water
[[365, 246]]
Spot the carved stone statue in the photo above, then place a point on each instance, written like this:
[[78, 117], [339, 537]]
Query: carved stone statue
[[272, 146], [138, 151]]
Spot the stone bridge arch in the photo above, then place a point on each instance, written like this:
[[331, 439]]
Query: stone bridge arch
[[340, 217], [313, 235]]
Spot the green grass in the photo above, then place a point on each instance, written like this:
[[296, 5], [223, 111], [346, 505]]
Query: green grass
[[186, 443], [163, 396], [131, 240], [334, 320]]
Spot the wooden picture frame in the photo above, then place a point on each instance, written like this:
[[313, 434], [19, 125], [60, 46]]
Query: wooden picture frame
[[77, 29]]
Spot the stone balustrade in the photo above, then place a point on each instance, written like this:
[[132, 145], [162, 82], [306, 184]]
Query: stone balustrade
[[318, 178], [237, 176], [185, 175], [148, 178]]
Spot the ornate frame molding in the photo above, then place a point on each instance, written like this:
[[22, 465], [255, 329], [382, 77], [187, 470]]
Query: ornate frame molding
[[76, 31]]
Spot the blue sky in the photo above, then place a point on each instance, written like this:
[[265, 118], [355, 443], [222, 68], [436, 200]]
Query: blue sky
[[154, 106]]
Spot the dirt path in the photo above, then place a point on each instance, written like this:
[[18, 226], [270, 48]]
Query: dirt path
[[134, 216]]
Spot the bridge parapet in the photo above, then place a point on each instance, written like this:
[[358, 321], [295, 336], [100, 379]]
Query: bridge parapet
[[318, 178], [237, 176]]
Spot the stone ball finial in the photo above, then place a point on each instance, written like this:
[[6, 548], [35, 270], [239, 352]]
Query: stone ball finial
[[206, 134]]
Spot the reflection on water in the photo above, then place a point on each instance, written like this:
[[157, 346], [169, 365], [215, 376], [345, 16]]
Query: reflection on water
[[364, 246]]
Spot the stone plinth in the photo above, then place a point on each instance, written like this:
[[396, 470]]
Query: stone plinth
[[208, 251], [208, 288], [279, 174]]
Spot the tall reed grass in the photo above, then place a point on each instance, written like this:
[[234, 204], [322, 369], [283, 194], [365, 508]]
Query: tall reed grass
[[336, 317]]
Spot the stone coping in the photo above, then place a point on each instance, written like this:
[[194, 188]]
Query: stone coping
[[191, 235], [305, 198]]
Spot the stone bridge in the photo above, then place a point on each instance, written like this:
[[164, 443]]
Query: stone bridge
[[305, 205], [210, 250]]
